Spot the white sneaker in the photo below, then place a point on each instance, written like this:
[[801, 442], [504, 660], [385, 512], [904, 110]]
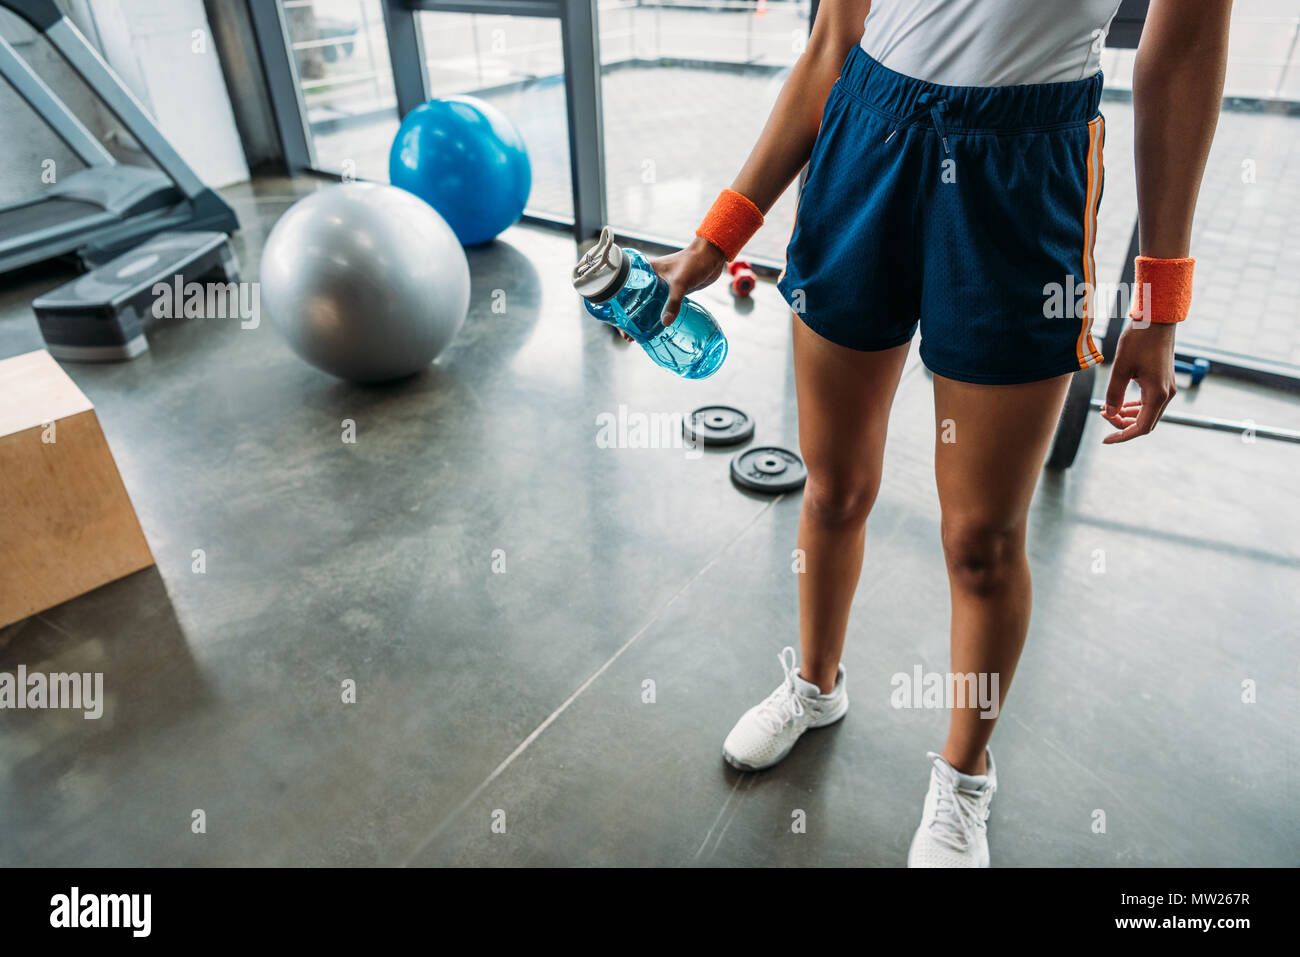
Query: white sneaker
[[953, 832], [766, 732]]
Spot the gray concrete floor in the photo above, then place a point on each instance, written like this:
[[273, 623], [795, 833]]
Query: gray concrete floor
[[521, 692]]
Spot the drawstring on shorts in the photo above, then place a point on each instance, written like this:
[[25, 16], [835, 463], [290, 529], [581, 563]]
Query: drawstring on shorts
[[936, 111]]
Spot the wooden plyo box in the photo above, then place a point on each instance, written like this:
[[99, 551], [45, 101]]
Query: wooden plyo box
[[66, 523]]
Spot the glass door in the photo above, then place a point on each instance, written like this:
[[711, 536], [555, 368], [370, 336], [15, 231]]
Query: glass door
[[344, 83]]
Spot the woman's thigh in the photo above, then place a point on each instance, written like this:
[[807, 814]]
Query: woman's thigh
[[990, 445], [844, 400]]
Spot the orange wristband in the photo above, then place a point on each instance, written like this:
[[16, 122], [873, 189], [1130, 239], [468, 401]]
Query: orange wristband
[[1169, 282], [731, 222]]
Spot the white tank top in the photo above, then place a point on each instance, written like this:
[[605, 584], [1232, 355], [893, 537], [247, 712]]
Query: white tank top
[[989, 42]]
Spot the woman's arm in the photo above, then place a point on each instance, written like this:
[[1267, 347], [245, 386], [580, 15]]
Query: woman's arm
[[1177, 92], [791, 129], [784, 145]]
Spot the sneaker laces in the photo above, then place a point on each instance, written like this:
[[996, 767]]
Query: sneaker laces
[[784, 704], [959, 812]]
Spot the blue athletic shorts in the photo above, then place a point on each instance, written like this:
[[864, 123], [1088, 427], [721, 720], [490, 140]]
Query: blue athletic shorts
[[970, 211]]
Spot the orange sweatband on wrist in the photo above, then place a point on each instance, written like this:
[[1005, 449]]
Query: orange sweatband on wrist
[[731, 222], [1169, 282]]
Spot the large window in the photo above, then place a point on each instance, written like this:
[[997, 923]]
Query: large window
[[340, 54], [686, 88], [341, 65], [517, 65], [1246, 235]]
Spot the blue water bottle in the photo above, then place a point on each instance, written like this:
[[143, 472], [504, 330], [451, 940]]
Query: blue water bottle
[[620, 287]]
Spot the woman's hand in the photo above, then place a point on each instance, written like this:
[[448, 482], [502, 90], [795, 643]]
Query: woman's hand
[[687, 270], [1144, 356]]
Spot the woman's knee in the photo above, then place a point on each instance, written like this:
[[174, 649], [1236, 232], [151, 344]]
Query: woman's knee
[[839, 501], [982, 555]]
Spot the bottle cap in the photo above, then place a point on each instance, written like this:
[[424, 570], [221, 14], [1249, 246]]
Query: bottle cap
[[602, 270]]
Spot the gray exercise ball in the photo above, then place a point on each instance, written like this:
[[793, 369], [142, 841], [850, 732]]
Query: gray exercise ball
[[365, 281]]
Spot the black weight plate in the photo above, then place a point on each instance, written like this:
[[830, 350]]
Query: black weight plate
[[1074, 417], [718, 425], [767, 468]]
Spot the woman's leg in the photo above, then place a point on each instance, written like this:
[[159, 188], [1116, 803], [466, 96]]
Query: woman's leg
[[844, 399], [986, 478]]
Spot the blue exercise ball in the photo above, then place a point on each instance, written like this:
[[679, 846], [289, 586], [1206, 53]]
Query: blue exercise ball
[[465, 159]]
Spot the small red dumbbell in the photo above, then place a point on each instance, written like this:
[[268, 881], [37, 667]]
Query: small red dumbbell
[[742, 277]]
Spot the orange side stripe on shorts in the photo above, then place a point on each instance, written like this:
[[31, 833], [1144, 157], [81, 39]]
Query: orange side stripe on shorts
[[1092, 197]]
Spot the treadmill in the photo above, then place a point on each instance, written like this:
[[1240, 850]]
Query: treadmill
[[98, 212]]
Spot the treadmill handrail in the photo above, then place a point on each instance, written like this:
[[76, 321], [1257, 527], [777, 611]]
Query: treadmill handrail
[[87, 63], [28, 84], [121, 102]]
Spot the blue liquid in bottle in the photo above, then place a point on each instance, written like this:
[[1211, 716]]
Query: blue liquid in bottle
[[620, 287]]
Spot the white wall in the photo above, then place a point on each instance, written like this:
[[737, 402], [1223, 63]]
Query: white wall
[[165, 53]]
